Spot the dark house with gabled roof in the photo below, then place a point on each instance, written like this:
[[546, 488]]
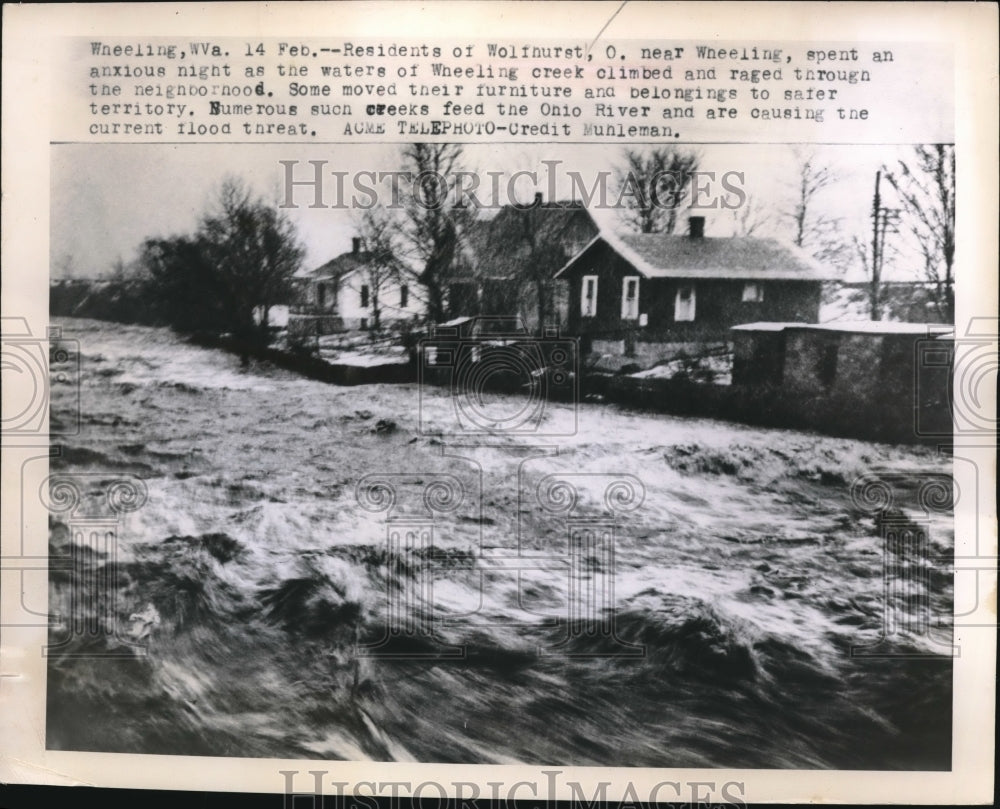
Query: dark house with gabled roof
[[515, 254], [667, 289]]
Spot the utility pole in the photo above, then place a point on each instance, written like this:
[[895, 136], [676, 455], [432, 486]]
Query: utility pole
[[883, 220], [874, 304]]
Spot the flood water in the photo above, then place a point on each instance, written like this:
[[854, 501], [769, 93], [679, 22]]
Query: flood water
[[688, 596]]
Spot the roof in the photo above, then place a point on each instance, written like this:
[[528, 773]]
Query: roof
[[480, 325], [661, 255], [557, 212], [458, 321], [501, 242], [881, 327], [337, 267], [855, 327], [763, 326]]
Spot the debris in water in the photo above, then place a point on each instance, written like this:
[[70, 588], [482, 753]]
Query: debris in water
[[144, 622], [384, 427]]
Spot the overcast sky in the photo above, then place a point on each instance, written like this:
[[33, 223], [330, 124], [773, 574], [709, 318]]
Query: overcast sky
[[107, 198]]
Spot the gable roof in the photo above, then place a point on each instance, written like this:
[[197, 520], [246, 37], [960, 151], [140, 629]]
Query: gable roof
[[552, 217], [660, 255], [497, 242], [338, 267]]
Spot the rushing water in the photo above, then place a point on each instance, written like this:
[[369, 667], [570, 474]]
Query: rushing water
[[252, 577]]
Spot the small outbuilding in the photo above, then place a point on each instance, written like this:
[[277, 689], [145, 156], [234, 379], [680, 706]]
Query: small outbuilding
[[884, 373]]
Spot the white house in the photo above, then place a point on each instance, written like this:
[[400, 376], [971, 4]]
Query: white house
[[349, 293]]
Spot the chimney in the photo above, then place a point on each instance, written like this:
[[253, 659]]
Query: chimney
[[356, 245], [696, 227], [538, 199]]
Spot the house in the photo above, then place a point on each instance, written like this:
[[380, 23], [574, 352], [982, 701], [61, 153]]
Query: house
[[349, 293], [653, 294], [893, 376], [504, 266], [512, 259]]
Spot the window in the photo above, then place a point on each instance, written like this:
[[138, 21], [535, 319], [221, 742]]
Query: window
[[404, 296], [321, 294], [684, 304], [753, 293], [364, 324], [588, 296], [630, 297], [364, 296]]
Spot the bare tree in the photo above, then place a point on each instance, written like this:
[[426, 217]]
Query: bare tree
[[873, 260], [252, 250], [926, 191], [751, 217], [436, 220], [811, 178], [812, 230], [378, 230], [655, 184], [524, 243], [873, 253], [64, 266], [120, 271]]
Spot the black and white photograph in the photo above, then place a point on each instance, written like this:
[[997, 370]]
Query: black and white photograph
[[591, 402], [522, 481]]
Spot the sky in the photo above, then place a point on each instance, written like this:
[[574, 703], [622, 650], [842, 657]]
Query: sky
[[107, 198]]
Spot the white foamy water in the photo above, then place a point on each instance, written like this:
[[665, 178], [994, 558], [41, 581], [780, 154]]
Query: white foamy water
[[289, 625]]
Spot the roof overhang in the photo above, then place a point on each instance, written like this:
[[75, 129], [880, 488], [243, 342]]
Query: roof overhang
[[648, 270], [642, 266], [582, 250], [873, 327]]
